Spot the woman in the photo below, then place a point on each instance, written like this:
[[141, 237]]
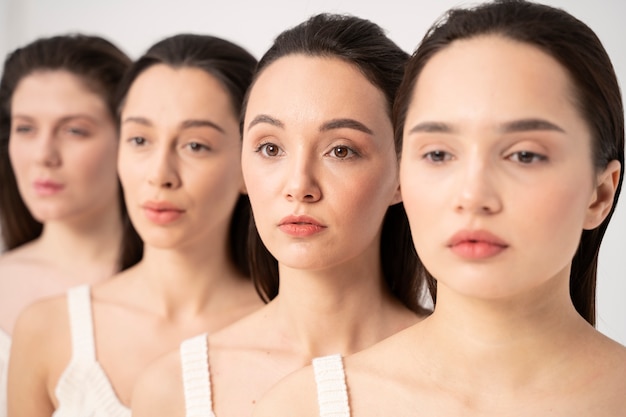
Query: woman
[[179, 164], [321, 170], [513, 132], [62, 215]]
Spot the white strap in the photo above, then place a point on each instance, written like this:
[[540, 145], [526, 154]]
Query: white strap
[[332, 392], [194, 357], [81, 323]]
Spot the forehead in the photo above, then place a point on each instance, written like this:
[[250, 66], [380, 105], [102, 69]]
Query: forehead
[[56, 92], [493, 75], [178, 92], [300, 85]]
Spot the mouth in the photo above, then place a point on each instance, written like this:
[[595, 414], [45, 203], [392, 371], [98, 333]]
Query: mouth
[[300, 226], [162, 212], [476, 244], [46, 187]]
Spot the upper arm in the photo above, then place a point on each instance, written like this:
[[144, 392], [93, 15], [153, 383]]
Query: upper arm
[[32, 350], [294, 395], [159, 389]]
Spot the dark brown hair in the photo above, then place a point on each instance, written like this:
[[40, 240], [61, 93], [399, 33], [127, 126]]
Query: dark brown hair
[[101, 66], [233, 67], [576, 47], [364, 45]]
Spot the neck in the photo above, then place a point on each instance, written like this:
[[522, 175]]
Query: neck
[[509, 342], [188, 280], [89, 241], [345, 309]]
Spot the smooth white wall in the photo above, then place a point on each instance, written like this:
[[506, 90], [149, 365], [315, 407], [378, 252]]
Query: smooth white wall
[[136, 24]]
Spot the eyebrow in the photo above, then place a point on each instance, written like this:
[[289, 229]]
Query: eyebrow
[[187, 124], [138, 120], [527, 125], [264, 118], [333, 124], [345, 124], [522, 125], [62, 119]]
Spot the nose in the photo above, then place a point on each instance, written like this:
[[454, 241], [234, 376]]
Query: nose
[[163, 170], [302, 184], [477, 192], [47, 151]]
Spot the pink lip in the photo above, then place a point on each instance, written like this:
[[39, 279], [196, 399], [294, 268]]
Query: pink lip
[[47, 187], [162, 212], [476, 244], [300, 226]]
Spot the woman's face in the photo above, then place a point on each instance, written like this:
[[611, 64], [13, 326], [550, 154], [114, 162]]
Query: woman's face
[[63, 148], [179, 159], [496, 170], [319, 162]]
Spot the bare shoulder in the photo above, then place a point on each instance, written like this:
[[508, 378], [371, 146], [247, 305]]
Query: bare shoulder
[[42, 334], [295, 395], [608, 369], [44, 320], [40, 351], [159, 389], [24, 279]]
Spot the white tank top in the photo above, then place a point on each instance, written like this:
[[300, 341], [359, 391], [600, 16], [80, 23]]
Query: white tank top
[[332, 392], [84, 390], [5, 347], [194, 358]]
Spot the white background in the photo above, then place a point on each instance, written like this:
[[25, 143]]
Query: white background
[[136, 24]]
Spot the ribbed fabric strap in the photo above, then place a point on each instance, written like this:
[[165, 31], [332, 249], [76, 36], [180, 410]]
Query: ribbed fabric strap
[[81, 323], [194, 358], [332, 392], [5, 348]]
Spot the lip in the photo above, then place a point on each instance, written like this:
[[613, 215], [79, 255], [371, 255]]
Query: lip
[[476, 244], [162, 212], [47, 187], [300, 226]]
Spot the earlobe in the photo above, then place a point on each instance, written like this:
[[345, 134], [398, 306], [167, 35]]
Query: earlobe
[[397, 196], [603, 195]]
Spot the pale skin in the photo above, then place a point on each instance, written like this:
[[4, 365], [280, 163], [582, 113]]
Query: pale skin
[[61, 132], [179, 145], [502, 150], [332, 297]]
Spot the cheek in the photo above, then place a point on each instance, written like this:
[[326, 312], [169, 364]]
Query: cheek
[[259, 185], [131, 174], [97, 161], [18, 157], [560, 212]]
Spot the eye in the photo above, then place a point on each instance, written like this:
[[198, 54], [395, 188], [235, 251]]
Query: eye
[[269, 149], [438, 156], [76, 131], [23, 129], [197, 147], [137, 141], [342, 152], [527, 157]]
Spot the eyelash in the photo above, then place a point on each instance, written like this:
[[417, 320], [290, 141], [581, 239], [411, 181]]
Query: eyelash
[[442, 156], [351, 152], [23, 129], [262, 149], [197, 147], [77, 131], [534, 157], [137, 141]]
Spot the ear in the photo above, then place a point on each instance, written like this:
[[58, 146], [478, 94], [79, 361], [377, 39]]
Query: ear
[[397, 196], [602, 198]]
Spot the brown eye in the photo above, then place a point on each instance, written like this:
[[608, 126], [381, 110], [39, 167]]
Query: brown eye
[[269, 149], [342, 152]]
